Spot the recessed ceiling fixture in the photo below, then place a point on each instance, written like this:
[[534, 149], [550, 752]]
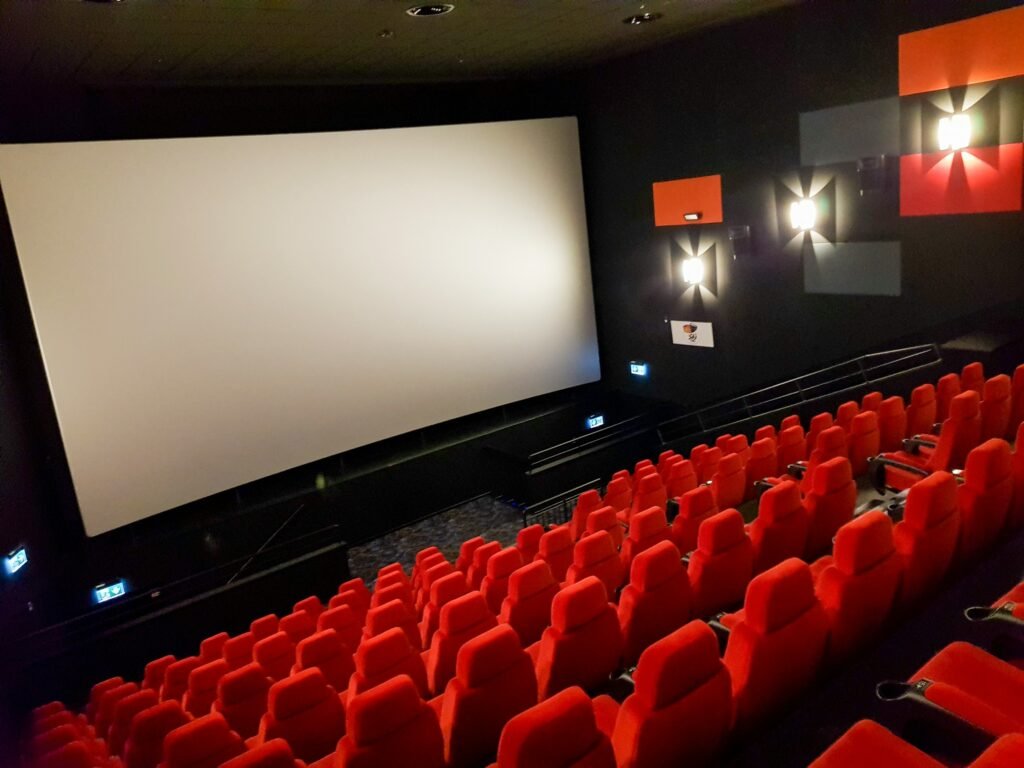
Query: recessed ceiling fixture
[[437, 9], [642, 18]]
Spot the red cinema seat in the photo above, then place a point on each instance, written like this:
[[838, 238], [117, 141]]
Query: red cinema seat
[[663, 458], [763, 462], [642, 472], [390, 725], [972, 377], [695, 507], [75, 754], [494, 681], [343, 621], [845, 414], [793, 420], [984, 690], [425, 566], [583, 645], [417, 569], [326, 651], [729, 483], [722, 443], [829, 505], [358, 586], [560, 732], [619, 494], [1015, 517], [431, 575], [780, 529], [655, 602], [45, 710], [832, 444], [1017, 394], [465, 558], [176, 678], [996, 407], [478, 569], [739, 445], [153, 676], [892, 424], [105, 710], [680, 477], [722, 565], [864, 442], [646, 529], [462, 619], [494, 586], [353, 601], [819, 423], [556, 550], [305, 711], [202, 687], [767, 431], [586, 503], [695, 455], [390, 615], [871, 401], [238, 650], [946, 388], [649, 492], [642, 464], [527, 609], [212, 648], [857, 586], [1005, 752], [263, 627], [382, 657], [926, 537], [595, 555], [144, 747], [273, 754], [276, 654], [206, 742], [869, 744], [528, 541], [126, 709], [681, 709], [622, 474], [984, 498], [242, 698], [708, 465], [791, 448], [96, 693], [395, 568], [923, 411], [54, 738], [605, 519], [298, 626], [384, 593], [781, 622], [442, 592], [310, 605]]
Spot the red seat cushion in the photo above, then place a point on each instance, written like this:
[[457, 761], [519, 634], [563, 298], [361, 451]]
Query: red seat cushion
[[866, 744]]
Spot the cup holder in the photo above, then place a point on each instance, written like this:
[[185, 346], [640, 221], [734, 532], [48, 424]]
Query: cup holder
[[979, 613], [892, 690]]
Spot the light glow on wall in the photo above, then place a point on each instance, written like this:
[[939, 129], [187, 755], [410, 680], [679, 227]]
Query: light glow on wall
[[693, 270], [802, 214], [955, 132]]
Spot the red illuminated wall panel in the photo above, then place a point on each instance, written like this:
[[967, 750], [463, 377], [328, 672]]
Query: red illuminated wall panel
[[979, 180], [674, 199]]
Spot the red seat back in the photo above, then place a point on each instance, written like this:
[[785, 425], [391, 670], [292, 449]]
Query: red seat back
[[297, 626], [619, 494], [343, 621], [972, 378], [202, 743], [829, 505], [722, 565], [780, 529], [528, 541], [202, 687], [845, 414], [695, 507], [109, 700], [587, 502], [478, 569], [276, 655], [238, 650], [730, 481], [1015, 517], [595, 555], [793, 420], [176, 678], [926, 537], [831, 444], [864, 441], [605, 519], [996, 407], [434, 569], [442, 591], [892, 424], [680, 477], [310, 605], [126, 709], [494, 586], [556, 550], [527, 608], [655, 602], [263, 627], [390, 615], [984, 498], [959, 434], [305, 711], [1017, 393], [384, 656], [646, 529], [272, 754], [325, 651], [212, 648], [763, 462], [242, 698], [946, 388], [708, 464], [871, 401], [144, 746], [792, 447], [766, 431], [465, 558], [868, 743], [819, 423], [153, 677], [649, 492], [463, 618], [922, 413]]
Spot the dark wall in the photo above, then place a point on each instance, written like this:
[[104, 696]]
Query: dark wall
[[728, 102]]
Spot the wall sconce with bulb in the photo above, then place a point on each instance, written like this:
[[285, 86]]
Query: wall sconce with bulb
[[802, 214], [693, 270], [955, 132]]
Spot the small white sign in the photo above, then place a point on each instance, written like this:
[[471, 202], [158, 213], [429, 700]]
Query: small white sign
[[692, 333]]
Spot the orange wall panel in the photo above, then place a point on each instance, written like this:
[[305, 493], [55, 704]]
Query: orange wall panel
[[989, 47], [673, 199]]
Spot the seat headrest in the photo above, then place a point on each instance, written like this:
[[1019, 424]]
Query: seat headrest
[[964, 406], [602, 519], [721, 441], [393, 613], [617, 486], [105, 685], [241, 645], [593, 548], [930, 501], [588, 500], [891, 407], [530, 579], [622, 474], [154, 671], [696, 503], [293, 624], [779, 595], [847, 411], [557, 731], [555, 540], [730, 464], [392, 568], [464, 612], [922, 395], [487, 655], [198, 740], [278, 644], [831, 441], [310, 604], [382, 710], [448, 588], [645, 471], [711, 456], [530, 535], [243, 683], [821, 421], [319, 647], [178, 672], [578, 604], [154, 722], [763, 448], [832, 475], [384, 593], [275, 753], [337, 618], [697, 452], [779, 502], [641, 464], [297, 693], [863, 542], [356, 585], [469, 546], [973, 371], [436, 571], [485, 552], [647, 523], [721, 532], [871, 401], [383, 651], [131, 705], [998, 388], [73, 754], [680, 467], [205, 676], [737, 444], [988, 464], [768, 430], [677, 664], [504, 562], [655, 566], [864, 423], [426, 552], [793, 420], [649, 484], [210, 648], [791, 435]]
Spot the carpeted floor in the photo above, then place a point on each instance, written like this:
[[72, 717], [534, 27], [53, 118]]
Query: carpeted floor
[[484, 516]]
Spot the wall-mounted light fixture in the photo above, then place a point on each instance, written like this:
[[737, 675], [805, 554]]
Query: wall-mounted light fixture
[[802, 214], [693, 216], [955, 132], [693, 270]]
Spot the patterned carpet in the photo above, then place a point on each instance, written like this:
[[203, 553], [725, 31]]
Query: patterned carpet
[[484, 516]]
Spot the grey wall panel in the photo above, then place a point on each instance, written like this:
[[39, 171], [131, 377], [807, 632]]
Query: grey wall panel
[[849, 132], [863, 269]]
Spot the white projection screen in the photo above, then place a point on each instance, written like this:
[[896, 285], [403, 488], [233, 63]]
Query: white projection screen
[[215, 310]]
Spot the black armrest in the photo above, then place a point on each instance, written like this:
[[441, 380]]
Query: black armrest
[[997, 630], [671, 510], [876, 471], [797, 470], [915, 443], [721, 631]]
